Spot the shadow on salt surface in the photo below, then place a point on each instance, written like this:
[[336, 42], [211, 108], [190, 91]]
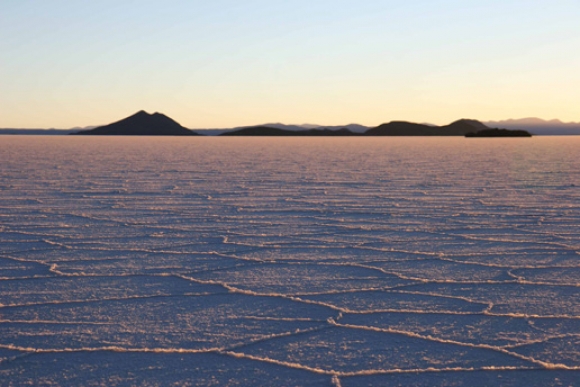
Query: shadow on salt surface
[[303, 278], [110, 369], [62, 290], [562, 350], [378, 301], [436, 269], [487, 378], [355, 350], [13, 268], [514, 299], [191, 322]]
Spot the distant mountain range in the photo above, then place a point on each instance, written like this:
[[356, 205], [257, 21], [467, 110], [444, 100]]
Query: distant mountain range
[[534, 126], [538, 126], [156, 124], [394, 128]]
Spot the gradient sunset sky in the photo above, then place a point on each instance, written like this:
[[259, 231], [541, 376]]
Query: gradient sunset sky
[[223, 63]]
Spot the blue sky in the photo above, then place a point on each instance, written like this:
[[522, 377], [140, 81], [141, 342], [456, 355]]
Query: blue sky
[[222, 63]]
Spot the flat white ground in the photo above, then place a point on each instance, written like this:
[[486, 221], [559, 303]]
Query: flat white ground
[[289, 262]]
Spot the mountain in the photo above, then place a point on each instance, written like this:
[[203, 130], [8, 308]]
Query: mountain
[[403, 128], [141, 124], [538, 126], [270, 131]]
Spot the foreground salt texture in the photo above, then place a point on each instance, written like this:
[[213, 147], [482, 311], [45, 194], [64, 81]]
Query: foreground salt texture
[[289, 262]]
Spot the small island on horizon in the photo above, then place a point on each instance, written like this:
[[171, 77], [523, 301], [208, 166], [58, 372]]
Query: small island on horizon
[[499, 133]]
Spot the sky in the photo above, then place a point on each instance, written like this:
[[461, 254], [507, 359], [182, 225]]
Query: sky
[[225, 63]]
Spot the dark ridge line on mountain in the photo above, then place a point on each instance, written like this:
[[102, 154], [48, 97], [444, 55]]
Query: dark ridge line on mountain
[[141, 124]]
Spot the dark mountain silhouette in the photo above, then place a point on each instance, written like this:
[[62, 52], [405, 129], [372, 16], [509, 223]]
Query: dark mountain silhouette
[[403, 128], [394, 128], [269, 131], [141, 124], [499, 133]]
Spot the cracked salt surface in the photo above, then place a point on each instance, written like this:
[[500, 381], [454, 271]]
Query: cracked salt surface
[[287, 261]]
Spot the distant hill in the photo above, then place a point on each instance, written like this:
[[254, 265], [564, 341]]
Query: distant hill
[[538, 126], [403, 128], [141, 124], [270, 131]]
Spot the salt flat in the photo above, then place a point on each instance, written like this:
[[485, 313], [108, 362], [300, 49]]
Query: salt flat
[[289, 261]]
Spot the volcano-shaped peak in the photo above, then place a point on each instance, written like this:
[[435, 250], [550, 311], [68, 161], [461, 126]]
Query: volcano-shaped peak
[[142, 124]]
